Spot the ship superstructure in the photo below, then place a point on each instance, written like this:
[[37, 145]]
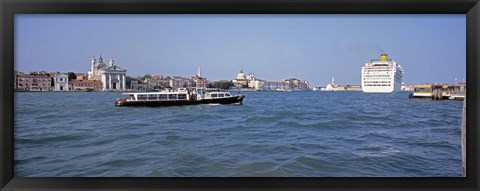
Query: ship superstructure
[[381, 75]]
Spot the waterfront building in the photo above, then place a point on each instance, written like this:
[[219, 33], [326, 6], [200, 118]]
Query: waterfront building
[[256, 84], [138, 85], [276, 86], [80, 76], [250, 81], [60, 82], [331, 86], [112, 76], [253, 82], [353, 88], [297, 85], [199, 81], [157, 82], [381, 75], [85, 85], [15, 79], [133, 84], [35, 81], [240, 81], [179, 82]]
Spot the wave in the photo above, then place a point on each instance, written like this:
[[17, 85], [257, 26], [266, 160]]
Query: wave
[[271, 134]]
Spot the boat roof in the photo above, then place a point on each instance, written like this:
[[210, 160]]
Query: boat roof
[[217, 92], [422, 86], [150, 93], [428, 86]]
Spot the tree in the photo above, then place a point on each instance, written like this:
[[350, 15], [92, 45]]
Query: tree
[[223, 84], [71, 76], [128, 81], [146, 76]]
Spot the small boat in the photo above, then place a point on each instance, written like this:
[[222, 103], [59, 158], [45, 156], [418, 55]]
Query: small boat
[[180, 97]]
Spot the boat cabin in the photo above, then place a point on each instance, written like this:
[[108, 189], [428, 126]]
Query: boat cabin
[[217, 95], [179, 95], [157, 96]]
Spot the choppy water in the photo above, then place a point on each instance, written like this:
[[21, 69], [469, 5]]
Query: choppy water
[[272, 134]]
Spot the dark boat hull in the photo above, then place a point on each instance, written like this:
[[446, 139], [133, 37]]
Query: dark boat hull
[[229, 100]]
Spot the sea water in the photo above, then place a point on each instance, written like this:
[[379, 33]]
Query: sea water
[[286, 134]]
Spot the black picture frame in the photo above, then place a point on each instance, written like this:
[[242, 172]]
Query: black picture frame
[[8, 8]]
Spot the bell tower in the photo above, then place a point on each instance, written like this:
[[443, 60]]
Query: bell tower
[[111, 62], [93, 66]]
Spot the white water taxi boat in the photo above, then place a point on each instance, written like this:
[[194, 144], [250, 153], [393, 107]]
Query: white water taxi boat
[[180, 97]]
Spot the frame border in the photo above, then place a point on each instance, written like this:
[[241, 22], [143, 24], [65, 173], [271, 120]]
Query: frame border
[[8, 8]]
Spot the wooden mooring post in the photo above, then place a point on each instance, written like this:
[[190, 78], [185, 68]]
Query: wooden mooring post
[[464, 138]]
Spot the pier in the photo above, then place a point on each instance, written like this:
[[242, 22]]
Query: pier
[[439, 92]]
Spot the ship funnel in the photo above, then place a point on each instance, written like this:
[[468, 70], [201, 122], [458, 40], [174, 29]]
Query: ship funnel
[[383, 57]]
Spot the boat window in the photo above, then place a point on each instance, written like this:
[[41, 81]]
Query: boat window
[[214, 95], [228, 95], [182, 96], [221, 95], [172, 96], [200, 91], [163, 96], [141, 97], [423, 89], [152, 96]]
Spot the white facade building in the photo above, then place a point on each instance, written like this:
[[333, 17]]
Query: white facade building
[[240, 81], [256, 84], [331, 86], [381, 75], [276, 86], [60, 82], [179, 82], [112, 76]]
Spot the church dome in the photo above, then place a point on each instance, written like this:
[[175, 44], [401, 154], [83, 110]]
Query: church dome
[[101, 65], [241, 75]]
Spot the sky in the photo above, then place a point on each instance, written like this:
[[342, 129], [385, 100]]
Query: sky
[[430, 48]]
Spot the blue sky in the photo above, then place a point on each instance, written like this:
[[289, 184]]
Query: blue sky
[[430, 48]]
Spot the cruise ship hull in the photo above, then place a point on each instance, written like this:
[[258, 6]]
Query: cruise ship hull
[[377, 90], [381, 76]]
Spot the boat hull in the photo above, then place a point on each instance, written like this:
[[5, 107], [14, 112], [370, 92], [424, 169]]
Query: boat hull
[[229, 100]]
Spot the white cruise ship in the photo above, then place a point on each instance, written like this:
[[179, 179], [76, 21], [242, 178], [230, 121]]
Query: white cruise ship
[[381, 75]]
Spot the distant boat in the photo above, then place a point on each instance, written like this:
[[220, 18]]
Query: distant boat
[[283, 90], [179, 97]]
